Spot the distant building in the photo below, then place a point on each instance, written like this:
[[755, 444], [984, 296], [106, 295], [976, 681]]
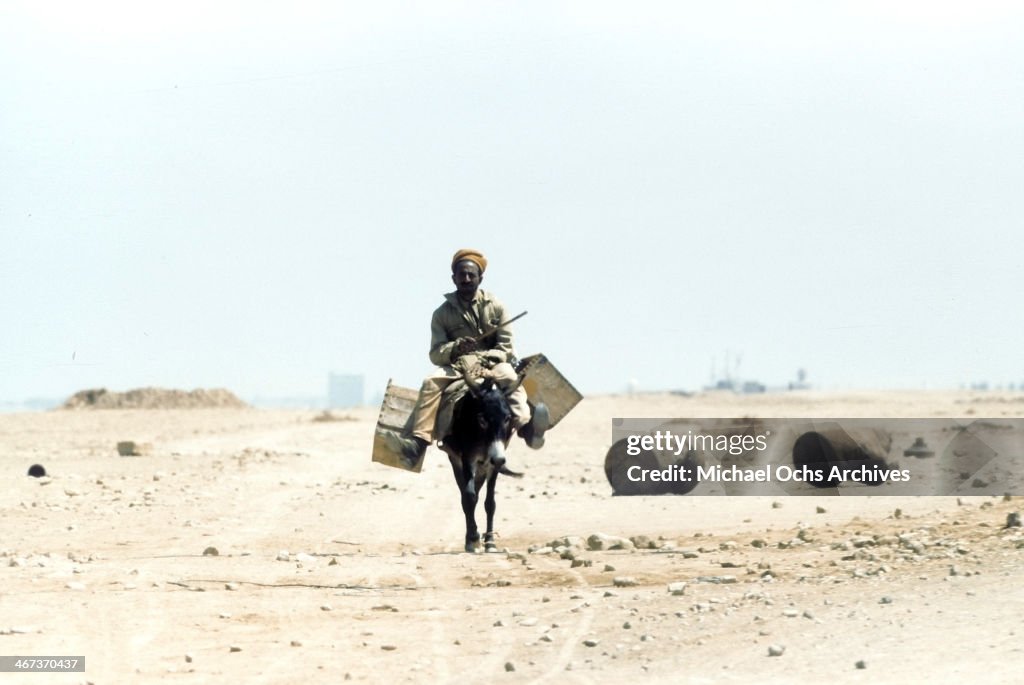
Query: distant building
[[344, 390]]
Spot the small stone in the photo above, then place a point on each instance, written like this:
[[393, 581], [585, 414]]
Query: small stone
[[498, 624], [677, 588], [590, 642], [1013, 520], [509, 667], [388, 648], [627, 625], [231, 587], [283, 555], [235, 648], [886, 599], [790, 613], [624, 581], [776, 505], [776, 650], [545, 638], [333, 561], [718, 580], [861, 664], [296, 643], [325, 607], [211, 552], [820, 510], [188, 658], [608, 568]]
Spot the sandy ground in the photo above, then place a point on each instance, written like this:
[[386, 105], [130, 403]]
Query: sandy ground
[[332, 568]]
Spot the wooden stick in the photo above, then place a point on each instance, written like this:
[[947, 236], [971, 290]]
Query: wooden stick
[[500, 325]]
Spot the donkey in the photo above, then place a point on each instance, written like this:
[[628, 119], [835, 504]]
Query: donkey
[[480, 431]]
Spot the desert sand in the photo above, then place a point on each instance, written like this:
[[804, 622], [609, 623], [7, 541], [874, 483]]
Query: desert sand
[[329, 567]]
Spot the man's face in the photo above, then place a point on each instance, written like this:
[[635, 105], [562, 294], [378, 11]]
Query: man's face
[[466, 278]]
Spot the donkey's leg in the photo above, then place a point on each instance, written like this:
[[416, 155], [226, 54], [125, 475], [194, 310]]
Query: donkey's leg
[[469, 500], [489, 507]]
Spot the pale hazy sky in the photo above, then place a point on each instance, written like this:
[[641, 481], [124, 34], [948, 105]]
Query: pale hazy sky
[[250, 195]]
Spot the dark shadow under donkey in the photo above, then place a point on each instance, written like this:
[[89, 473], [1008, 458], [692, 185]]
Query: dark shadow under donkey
[[480, 431]]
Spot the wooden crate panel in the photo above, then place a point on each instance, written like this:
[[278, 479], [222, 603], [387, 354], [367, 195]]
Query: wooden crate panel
[[395, 416], [544, 383]]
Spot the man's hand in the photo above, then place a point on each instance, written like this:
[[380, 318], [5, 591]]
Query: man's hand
[[463, 346]]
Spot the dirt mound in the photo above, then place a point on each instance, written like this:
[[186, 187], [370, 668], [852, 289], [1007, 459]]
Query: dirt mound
[[154, 398]]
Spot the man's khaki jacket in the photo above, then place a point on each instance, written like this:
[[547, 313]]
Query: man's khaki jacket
[[453, 320]]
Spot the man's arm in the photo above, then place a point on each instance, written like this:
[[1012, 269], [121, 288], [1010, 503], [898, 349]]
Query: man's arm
[[440, 345]]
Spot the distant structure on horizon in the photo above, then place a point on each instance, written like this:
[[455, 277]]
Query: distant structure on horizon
[[801, 381], [345, 390], [730, 380]]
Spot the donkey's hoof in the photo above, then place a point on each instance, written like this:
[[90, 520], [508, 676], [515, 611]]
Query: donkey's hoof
[[490, 547], [471, 547]]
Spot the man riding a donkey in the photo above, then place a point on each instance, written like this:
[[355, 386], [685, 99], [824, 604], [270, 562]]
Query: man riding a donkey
[[470, 339]]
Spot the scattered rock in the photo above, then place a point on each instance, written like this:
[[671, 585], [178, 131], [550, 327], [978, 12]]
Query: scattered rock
[[235, 648], [643, 542], [1013, 520], [599, 541], [296, 643], [718, 580], [677, 588], [389, 648], [776, 505], [211, 552], [624, 581], [861, 664], [819, 510], [776, 650], [509, 667], [130, 448], [590, 642]]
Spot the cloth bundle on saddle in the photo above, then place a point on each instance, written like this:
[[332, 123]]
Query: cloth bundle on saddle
[[478, 368]]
